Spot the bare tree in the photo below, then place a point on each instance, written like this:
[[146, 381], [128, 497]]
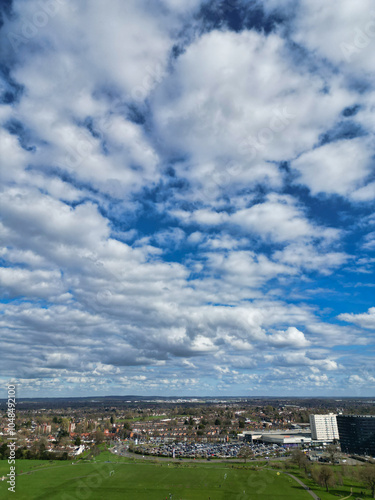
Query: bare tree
[[324, 476], [245, 453], [300, 459]]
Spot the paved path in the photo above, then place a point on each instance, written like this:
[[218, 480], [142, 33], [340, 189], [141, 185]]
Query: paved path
[[303, 485], [351, 493]]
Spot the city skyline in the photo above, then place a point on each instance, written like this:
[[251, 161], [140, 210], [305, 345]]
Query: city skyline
[[187, 202]]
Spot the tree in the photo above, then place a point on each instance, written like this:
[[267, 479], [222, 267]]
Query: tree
[[64, 441], [245, 453], [21, 442], [99, 436], [64, 425], [42, 445], [4, 451], [332, 452], [300, 459], [217, 421], [340, 479], [324, 476], [77, 441], [367, 475]]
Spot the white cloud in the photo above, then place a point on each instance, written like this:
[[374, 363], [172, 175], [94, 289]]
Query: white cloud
[[310, 257], [34, 284], [93, 70], [292, 337], [364, 320], [246, 268], [336, 168], [40, 217], [236, 103], [301, 359], [369, 243], [340, 31], [279, 218]]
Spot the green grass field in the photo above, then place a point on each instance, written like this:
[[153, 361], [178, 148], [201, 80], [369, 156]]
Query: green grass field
[[138, 480], [111, 477]]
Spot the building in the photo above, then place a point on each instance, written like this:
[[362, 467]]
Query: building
[[357, 434], [44, 429], [287, 439], [250, 436], [324, 427]]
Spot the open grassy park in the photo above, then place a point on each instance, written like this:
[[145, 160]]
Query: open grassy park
[[115, 477], [138, 480]]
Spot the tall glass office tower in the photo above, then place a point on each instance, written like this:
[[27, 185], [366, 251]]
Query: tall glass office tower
[[357, 434]]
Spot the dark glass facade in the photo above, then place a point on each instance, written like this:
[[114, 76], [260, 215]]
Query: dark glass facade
[[357, 434]]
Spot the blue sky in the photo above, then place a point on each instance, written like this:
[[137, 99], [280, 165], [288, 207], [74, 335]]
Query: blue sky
[[187, 201]]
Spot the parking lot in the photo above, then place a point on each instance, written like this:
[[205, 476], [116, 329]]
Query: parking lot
[[208, 450]]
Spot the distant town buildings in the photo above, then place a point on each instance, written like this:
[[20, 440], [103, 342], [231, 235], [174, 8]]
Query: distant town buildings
[[324, 427], [357, 434], [258, 423], [44, 429]]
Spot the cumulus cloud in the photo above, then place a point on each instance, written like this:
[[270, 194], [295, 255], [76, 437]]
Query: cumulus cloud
[[279, 219], [38, 283], [308, 256], [336, 168], [301, 359], [365, 320], [235, 104], [291, 337]]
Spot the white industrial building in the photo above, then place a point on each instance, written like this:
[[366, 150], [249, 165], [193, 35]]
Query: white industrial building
[[324, 427], [286, 439]]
